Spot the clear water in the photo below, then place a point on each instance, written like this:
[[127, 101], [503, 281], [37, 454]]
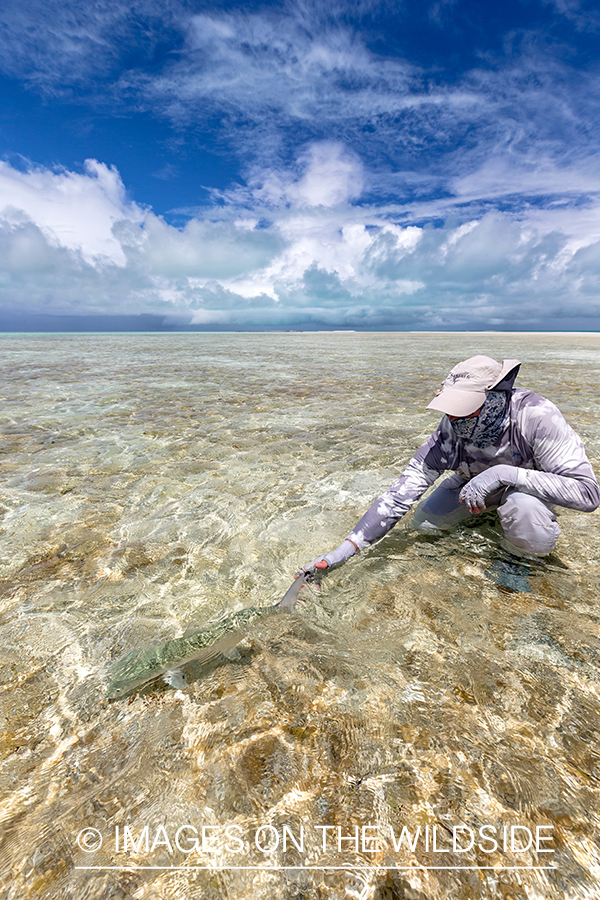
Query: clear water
[[155, 482]]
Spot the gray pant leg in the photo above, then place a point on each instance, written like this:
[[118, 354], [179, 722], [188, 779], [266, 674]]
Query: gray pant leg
[[529, 525], [441, 511]]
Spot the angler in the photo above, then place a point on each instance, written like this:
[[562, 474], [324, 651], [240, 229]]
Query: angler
[[511, 451]]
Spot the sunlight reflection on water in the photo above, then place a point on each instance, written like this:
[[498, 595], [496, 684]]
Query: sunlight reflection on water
[[157, 482]]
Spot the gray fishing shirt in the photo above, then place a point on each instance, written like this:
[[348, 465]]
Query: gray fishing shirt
[[548, 455]]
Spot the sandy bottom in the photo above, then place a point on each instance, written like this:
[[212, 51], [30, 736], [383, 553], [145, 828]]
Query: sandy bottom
[[413, 730]]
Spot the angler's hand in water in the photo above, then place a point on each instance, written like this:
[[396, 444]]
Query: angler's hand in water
[[320, 565]]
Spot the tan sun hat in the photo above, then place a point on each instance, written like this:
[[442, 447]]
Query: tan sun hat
[[467, 385]]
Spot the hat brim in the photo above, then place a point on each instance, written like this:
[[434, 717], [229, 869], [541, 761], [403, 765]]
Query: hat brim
[[458, 403], [506, 379]]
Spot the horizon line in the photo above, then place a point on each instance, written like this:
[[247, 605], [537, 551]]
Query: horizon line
[[169, 332]]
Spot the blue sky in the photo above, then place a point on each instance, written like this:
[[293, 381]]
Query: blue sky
[[406, 165]]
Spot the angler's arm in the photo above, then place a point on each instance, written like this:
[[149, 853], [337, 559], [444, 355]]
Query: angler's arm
[[424, 468], [563, 474], [430, 460]]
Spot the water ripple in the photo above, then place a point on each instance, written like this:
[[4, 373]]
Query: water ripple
[[157, 483]]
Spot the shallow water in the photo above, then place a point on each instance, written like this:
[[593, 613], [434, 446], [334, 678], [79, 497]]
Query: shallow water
[[155, 482]]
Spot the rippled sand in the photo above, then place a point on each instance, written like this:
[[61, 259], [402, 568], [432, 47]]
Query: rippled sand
[[155, 482]]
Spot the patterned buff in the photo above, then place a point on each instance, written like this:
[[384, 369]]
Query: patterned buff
[[482, 430]]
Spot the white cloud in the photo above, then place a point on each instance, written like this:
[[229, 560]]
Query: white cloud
[[283, 77], [72, 210], [277, 78], [325, 174], [73, 243], [202, 250], [56, 44], [332, 177], [376, 192]]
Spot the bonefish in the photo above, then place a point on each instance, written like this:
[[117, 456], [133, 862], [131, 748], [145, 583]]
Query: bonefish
[[142, 666]]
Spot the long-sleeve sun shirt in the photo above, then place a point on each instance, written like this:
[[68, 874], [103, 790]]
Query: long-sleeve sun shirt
[[549, 458]]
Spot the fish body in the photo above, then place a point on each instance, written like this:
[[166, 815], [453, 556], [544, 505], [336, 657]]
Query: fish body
[[142, 666]]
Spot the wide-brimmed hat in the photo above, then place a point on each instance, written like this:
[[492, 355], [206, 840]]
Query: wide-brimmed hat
[[468, 384]]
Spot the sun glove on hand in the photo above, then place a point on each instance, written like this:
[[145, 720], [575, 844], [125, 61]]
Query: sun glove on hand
[[478, 488], [330, 560]]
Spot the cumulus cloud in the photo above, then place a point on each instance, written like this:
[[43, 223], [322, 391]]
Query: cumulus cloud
[[310, 264], [277, 77], [372, 192], [331, 176], [200, 250], [266, 82], [74, 211]]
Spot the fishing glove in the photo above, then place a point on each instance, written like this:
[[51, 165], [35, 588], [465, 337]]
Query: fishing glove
[[330, 560], [478, 488]]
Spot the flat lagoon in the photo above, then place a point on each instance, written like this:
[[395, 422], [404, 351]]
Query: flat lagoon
[[412, 730]]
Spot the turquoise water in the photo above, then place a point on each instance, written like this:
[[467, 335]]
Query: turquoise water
[[155, 482]]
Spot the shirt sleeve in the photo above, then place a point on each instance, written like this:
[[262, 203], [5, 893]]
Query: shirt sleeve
[[428, 463], [563, 474]]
